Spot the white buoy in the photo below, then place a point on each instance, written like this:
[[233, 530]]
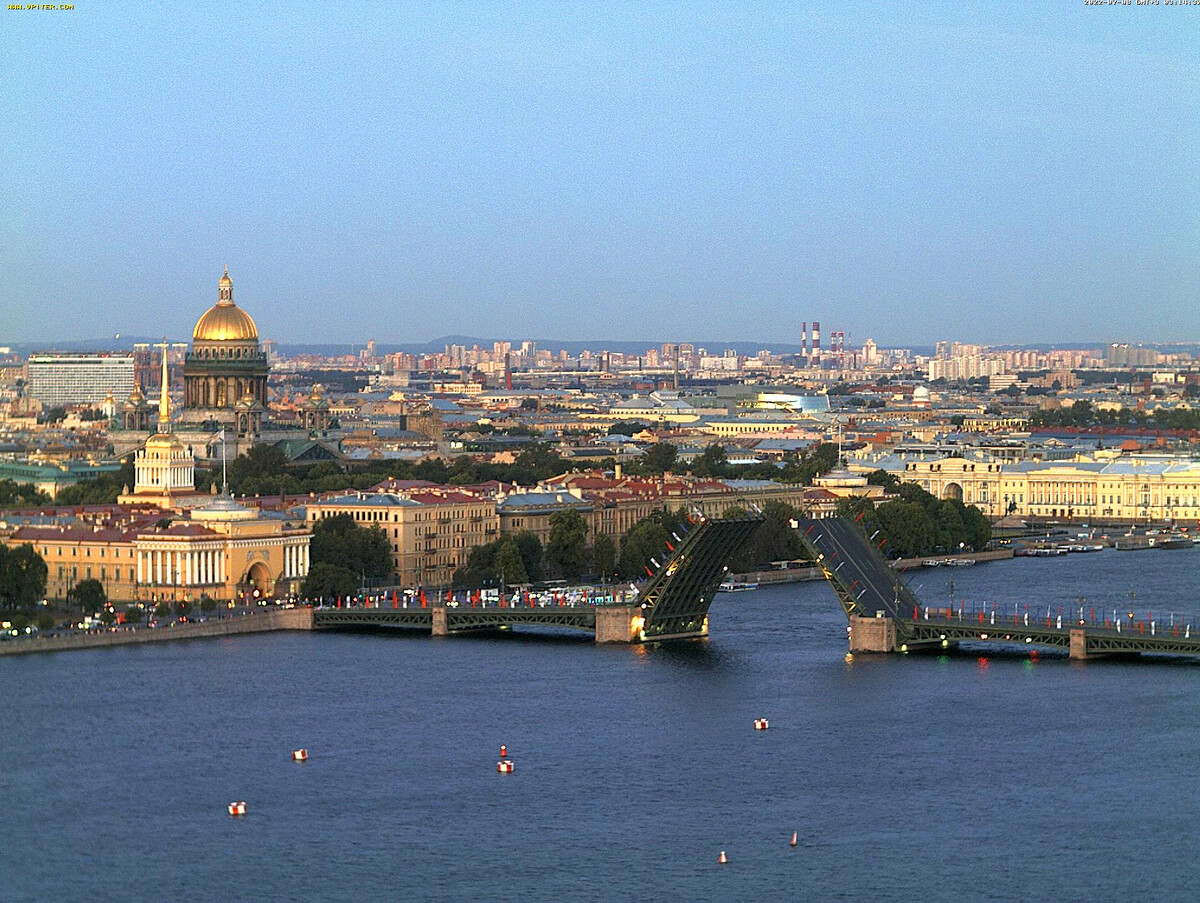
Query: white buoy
[[723, 859], [504, 766], [300, 755], [761, 724]]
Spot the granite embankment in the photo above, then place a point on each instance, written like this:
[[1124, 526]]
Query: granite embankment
[[257, 622], [797, 575]]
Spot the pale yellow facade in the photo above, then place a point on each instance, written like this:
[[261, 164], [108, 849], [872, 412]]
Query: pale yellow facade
[[1124, 489], [223, 552], [430, 532]]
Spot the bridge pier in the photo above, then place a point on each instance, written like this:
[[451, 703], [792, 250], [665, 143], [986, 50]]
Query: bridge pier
[[872, 634], [440, 624], [618, 623], [1079, 647]]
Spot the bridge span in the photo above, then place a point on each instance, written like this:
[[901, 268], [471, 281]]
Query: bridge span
[[885, 615], [672, 606]]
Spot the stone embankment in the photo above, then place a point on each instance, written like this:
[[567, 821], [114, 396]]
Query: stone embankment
[[778, 575], [258, 622], [798, 575], [993, 555]]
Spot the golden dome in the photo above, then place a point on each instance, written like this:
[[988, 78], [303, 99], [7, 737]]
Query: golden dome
[[225, 321]]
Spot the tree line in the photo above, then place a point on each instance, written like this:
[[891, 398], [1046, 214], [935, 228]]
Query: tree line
[[1083, 414], [918, 523]]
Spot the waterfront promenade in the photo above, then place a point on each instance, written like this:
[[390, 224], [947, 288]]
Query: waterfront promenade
[[253, 622]]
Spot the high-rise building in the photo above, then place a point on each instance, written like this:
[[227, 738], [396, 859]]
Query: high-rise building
[[62, 379]]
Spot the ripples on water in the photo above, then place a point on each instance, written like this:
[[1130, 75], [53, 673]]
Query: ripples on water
[[979, 775]]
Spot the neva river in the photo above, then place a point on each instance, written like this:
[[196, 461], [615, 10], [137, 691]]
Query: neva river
[[967, 776]]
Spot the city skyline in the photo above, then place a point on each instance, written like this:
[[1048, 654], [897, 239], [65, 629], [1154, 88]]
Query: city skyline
[[1001, 177]]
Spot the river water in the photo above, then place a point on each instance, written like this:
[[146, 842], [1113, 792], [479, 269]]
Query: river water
[[976, 775]]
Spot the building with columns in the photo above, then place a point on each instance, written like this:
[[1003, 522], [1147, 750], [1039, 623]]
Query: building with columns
[[223, 551], [164, 469], [164, 539], [1119, 489], [225, 373]]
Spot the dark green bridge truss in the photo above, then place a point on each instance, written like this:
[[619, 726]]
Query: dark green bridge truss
[[867, 586]]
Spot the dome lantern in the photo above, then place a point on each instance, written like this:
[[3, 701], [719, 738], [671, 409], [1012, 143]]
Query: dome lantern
[[225, 321]]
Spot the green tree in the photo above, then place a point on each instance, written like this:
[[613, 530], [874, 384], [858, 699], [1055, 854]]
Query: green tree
[[107, 616], [712, 463], [888, 481], [508, 563], [626, 428], [328, 581], [604, 555], [341, 542], [101, 491], [479, 568], [134, 615], [566, 549], [208, 604], [648, 539], [259, 470], [950, 528], [659, 458], [531, 554], [22, 577], [162, 609], [88, 595], [20, 495]]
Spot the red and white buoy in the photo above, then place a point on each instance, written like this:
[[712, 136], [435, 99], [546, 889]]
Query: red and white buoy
[[723, 859], [794, 838], [503, 751], [238, 808], [761, 724], [300, 755], [504, 766]]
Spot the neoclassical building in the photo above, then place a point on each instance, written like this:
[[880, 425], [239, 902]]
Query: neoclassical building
[[225, 373], [1120, 489], [223, 550], [164, 469]]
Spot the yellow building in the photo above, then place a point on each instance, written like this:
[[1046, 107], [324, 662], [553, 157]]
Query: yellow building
[[224, 551], [164, 470], [431, 530], [1124, 489], [164, 539]]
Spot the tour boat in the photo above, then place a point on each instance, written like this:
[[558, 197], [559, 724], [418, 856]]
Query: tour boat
[[737, 586]]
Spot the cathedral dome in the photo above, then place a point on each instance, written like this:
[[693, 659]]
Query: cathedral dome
[[225, 321]]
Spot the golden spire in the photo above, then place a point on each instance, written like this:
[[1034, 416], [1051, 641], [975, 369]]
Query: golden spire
[[164, 402]]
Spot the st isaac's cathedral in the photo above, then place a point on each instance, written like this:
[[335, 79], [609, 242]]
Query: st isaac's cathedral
[[225, 388], [225, 373]]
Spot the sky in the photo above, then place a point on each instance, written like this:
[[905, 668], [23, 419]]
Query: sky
[[992, 173]]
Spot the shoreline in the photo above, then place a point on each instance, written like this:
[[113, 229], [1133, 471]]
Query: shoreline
[[258, 622], [802, 575]]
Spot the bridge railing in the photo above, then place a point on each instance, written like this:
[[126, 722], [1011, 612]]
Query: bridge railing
[[572, 598], [1178, 625]]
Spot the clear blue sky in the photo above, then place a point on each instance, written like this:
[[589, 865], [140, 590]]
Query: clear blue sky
[[1003, 173]]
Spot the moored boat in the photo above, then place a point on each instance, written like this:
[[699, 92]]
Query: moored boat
[[1173, 540]]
